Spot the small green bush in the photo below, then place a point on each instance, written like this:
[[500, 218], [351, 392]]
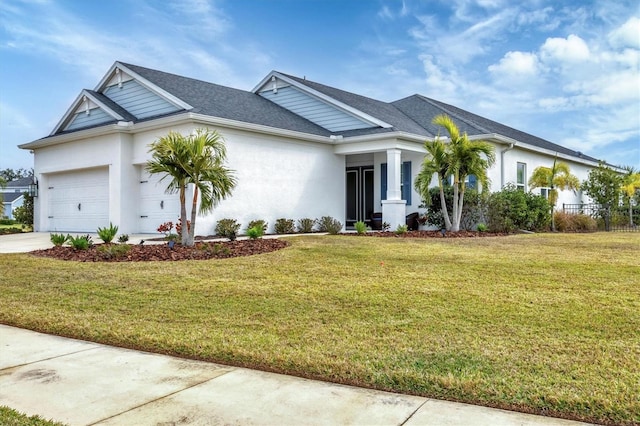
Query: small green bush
[[114, 251], [259, 223], [8, 222], [123, 238], [305, 225], [255, 232], [284, 226], [482, 227], [361, 227], [81, 242], [329, 224], [218, 250], [227, 228], [401, 229], [107, 234], [59, 239]]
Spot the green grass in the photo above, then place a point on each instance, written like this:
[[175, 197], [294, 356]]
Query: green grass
[[10, 417], [544, 323]]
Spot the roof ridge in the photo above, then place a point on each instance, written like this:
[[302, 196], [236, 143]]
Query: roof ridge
[[446, 107]]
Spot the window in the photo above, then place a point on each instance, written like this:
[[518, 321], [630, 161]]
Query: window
[[405, 181], [521, 177], [544, 192], [471, 182]]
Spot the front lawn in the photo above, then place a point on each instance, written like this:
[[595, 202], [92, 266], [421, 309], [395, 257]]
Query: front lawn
[[548, 324]]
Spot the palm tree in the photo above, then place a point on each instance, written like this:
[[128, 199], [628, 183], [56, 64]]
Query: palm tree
[[196, 159], [460, 158], [435, 162], [558, 176], [630, 184]]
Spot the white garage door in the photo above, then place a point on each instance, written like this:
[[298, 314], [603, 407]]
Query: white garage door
[[79, 201], [156, 206]]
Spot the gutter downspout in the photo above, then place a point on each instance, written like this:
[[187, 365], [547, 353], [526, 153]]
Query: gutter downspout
[[509, 148]]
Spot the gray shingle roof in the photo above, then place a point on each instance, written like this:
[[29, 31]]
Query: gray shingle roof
[[26, 181], [225, 102], [411, 115], [10, 197]]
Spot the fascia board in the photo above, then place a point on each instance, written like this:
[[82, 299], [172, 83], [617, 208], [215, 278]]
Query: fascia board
[[146, 83], [337, 104], [507, 141]]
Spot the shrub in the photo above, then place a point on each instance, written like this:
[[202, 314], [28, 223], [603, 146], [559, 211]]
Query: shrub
[[284, 226], [227, 228], [8, 222], [473, 210], [59, 239], [81, 242], [255, 232], [401, 229], [386, 226], [305, 225], [24, 213], [511, 209], [329, 224], [165, 228], [361, 227], [114, 251], [567, 222], [482, 227], [218, 250], [259, 223], [107, 234], [123, 238]]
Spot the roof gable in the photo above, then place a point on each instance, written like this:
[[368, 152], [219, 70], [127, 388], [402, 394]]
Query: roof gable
[[304, 100]]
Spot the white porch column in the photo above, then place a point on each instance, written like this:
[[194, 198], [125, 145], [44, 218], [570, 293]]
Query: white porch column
[[393, 208]]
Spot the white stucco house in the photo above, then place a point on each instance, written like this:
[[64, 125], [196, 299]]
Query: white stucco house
[[299, 149]]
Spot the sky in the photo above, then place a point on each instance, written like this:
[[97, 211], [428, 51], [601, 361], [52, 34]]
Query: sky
[[566, 71]]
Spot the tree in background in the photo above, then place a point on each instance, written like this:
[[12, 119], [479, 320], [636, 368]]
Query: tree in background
[[3, 183], [10, 174], [196, 159], [603, 185], [630, 186], [459, 158], [24, 213], [555, 177]]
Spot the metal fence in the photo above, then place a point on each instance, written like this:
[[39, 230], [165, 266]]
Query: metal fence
[[608, 218]]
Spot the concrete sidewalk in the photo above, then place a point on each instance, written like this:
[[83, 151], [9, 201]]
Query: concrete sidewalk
[[84, 383]]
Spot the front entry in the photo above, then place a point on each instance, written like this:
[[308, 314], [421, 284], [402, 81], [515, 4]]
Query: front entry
[[359, 194]]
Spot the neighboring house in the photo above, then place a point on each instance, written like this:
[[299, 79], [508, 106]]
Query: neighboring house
[[13, 195], [299, 149]]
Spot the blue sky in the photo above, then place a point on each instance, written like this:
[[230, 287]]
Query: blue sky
[[567, 71]]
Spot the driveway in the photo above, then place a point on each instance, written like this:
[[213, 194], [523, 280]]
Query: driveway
[[29, 241]]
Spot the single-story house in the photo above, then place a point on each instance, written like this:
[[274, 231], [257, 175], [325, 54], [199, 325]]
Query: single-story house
[[299, 149], [13, 195]]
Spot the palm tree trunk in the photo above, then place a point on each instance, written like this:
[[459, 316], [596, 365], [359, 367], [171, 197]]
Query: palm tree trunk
[[461, 203], [630, 213], [455, 224], [183, 214], [443, 205], [191, 230]]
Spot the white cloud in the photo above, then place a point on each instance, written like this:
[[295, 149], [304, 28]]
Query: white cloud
[[570, 49], [628, 35], [517, 64]]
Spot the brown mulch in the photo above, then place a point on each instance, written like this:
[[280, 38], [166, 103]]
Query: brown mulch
[[162, 252]]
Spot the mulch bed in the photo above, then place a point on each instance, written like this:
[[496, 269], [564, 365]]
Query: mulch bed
[[161, 252]]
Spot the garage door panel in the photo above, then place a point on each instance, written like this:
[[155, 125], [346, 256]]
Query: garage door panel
[[79, 201], [156, 206]]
